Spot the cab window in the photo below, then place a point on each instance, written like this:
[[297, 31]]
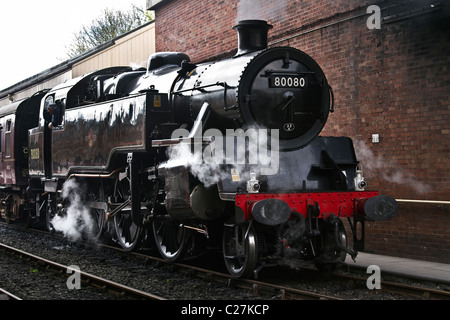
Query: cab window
[[61, 109], [8, 138], [46, 116]]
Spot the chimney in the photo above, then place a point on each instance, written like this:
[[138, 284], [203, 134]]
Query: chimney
[[252, 35]]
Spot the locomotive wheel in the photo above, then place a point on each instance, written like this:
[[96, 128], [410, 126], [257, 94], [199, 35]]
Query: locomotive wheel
[[50, 213], [127, 232], [98, 215], [240, 249], [171, 239], [331, 257], [12, 208]]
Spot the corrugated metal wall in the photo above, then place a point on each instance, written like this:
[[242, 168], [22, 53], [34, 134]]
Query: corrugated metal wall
[[47, 84], [130, 50]]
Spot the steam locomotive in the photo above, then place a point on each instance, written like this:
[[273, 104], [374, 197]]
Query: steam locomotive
[[184, 156]]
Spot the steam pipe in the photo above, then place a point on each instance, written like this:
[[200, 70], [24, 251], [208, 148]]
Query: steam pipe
[[94, 175], [423, 201]]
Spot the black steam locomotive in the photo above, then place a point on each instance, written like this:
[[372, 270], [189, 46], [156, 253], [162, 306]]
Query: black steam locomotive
[[223, 154]]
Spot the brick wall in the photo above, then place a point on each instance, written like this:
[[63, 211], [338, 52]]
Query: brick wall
[[391, 81], [421, 231], [181, 26]]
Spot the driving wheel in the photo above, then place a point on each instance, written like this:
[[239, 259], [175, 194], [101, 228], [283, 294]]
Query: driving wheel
[[128, 233]]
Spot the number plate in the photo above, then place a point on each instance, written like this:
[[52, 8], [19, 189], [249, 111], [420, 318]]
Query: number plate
[[287, 82]]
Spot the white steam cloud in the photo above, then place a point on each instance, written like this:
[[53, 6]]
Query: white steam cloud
[[373, 163], [181, 155], [77, 220], [138, 65], [240, 152], [254, 10]]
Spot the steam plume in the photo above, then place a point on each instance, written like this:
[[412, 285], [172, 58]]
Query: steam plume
[[181, 155], [245, 152], [254, 10], [373, 163], [77, 221]]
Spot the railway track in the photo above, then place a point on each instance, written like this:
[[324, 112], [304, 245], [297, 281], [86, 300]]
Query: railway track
[[286, 292], [6, 295], [258, 288], [92, 280], [403, 289], [275, 290]]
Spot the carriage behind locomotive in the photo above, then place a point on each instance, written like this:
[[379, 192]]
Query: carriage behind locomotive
[[113, 133]]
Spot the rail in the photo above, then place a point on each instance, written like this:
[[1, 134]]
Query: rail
[[137, 294], [5, 295]]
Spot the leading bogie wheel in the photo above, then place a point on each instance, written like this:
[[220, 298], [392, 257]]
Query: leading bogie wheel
[[330, 256], [240, 249]]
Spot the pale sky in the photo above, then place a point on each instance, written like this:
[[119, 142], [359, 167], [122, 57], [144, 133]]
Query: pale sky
[[34, 34]]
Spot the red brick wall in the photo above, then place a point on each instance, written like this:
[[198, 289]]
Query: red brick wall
[[393, 81], [420, 231], [202, 29]]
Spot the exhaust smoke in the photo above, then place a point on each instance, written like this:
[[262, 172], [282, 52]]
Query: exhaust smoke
[[374, 163], [75, 220]]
